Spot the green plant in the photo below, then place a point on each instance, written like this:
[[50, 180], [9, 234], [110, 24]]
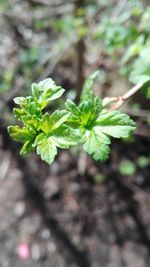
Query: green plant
[[127, 167], [126, 38], [90, 123], [141, 67]]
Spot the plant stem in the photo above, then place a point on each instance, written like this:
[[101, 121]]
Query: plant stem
[[133, 90], [120, 100], [80, 52]]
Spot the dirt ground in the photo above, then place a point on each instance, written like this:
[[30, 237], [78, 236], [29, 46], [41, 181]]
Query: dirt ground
[[69, 220], [77, 212]]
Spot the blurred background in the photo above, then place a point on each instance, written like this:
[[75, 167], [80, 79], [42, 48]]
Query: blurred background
[[76, 212]]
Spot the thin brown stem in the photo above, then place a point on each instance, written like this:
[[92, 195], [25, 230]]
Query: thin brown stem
[[132, 91], [80, 57], [80, 53], [120, 100]]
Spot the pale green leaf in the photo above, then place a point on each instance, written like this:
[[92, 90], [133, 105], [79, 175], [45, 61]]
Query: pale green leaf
[[46, 148], [51, 122], [86, 113], [115, 124], [66, 136], [45, 123], [95, 146], [31, 121], [87, 88], [58, 118], [20, 134], [141, 67], [46, 91]]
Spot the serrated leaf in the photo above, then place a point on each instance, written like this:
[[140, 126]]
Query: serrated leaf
[[87, 88], [115, 124], [86, 113], [58, 118], [62, 142], [72, 107], [20, 134], [45, 123], [28, 105], [18, 113], [46, 84], [35, 90], [103, 137], [51, 122], [46, 91], [85, 123], [74, 120], [46, 148], [95, 146], [89, 111], [65, 136], [31, 121], [21, 101]]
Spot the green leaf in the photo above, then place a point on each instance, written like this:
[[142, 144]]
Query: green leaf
[[115, 124], [45, 124], [141, 67], [58, 92], [58, 118], [27, 148], [35, 90], [95, 146], [62, 137], [18, 113], [72, 107], [133, 49], [32, 122], [86, 123], [28, 105], [20, 134], [127, 167], [89, 111], [63, 143], [86, 113], [46, 91], [87, 88], [50, 123], [66, 136], [46, 148], [21, 101]]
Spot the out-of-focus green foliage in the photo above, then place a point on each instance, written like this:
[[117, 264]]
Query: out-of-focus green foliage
[[5, 83], [127, 37], [127, 167], [143, 161], [141, 68]]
